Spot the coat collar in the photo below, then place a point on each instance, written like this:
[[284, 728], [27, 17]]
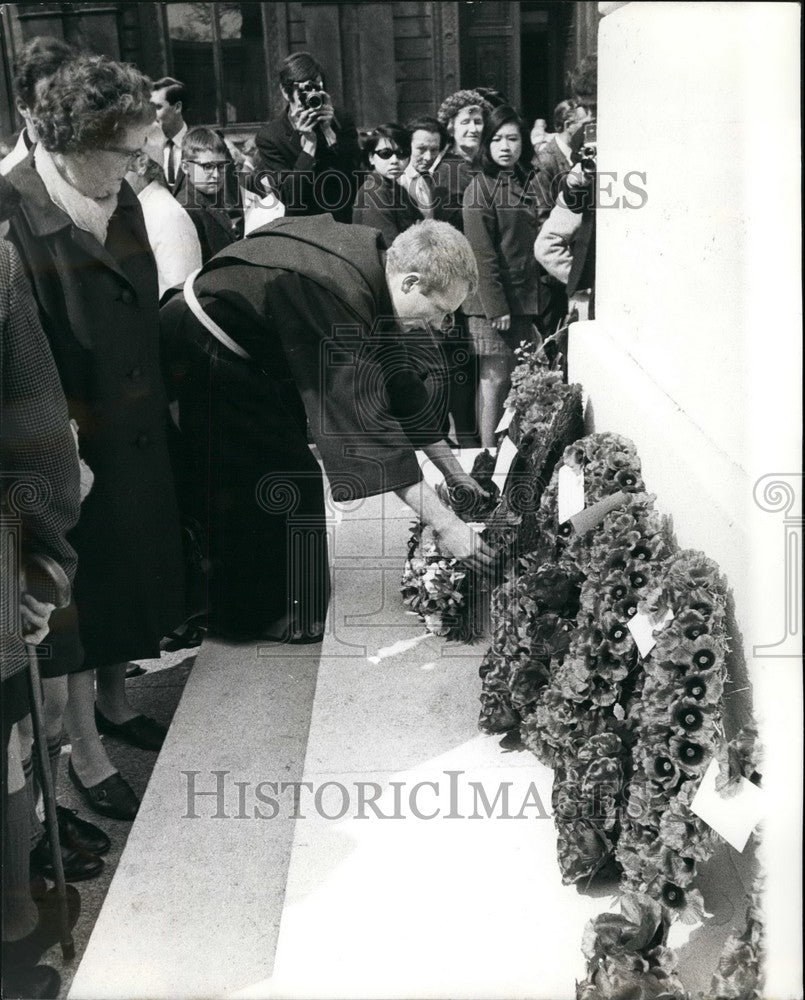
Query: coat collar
[[44, 218]]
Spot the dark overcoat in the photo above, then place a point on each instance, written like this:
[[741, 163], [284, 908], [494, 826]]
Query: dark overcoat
[[500, 221], [383, 204], [307, 299], [99, 309], [451, 178]]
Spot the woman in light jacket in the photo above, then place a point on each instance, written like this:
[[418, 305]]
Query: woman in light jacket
[[500, 221]]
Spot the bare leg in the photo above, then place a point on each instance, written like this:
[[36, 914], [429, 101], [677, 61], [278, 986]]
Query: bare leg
[[87, 754], [111, 693], [494, 385]]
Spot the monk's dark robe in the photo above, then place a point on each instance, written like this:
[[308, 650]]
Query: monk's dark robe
[[306, 298]]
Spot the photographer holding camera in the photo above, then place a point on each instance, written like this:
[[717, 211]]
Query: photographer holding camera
[[308, 156], [565, 246]]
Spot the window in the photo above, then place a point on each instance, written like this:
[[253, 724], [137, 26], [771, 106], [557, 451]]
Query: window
[[217, 50]]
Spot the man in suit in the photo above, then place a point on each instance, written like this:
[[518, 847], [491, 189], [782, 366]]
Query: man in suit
[[428, 138], [309, 156], [39, 59], [552, 160], [169, 97]]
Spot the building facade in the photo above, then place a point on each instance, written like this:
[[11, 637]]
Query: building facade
[[384, 61]]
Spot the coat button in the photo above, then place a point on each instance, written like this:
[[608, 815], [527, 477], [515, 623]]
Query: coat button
[[143, 440], [127, 296], [135, 373]]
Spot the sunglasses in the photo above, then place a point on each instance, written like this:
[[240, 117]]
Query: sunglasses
[[386, 153]]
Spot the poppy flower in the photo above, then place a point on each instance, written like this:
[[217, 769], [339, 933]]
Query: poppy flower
[[673, 896], [638, 580], [688, 717], [642, 552], [664, 768], [617, 632], [688, 755], [627, 480], [704, 658], [696, 686], [626, 608]]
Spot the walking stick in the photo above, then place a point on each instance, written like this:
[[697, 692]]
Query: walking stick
[[46, 581]]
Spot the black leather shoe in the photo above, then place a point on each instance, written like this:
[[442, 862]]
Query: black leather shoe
[[111, 797], [20, 956], [80, 834], [39, 983], [78, 865], [187, 636], [142, 732]]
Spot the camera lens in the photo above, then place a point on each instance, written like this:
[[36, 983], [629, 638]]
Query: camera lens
[[314, 101]]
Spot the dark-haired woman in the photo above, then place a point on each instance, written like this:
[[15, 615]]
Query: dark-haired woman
[[382, 202], [500, 221], [80, 233]]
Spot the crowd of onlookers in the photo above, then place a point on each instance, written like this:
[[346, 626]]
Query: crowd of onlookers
[[107, 178]]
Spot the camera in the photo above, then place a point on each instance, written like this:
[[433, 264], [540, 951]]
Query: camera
[[311, 96], [589, 148]]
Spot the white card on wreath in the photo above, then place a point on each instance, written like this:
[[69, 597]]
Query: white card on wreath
[[570, 499], [477, 526], [505, 420], [644, 628], [506, 455], [733, 817]]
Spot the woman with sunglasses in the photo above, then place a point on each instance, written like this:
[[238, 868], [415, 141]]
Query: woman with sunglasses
[[500, 221], [82, 240], [382, 202], [210, 194]]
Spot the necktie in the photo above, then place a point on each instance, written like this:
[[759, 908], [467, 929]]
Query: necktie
[[171, 171]]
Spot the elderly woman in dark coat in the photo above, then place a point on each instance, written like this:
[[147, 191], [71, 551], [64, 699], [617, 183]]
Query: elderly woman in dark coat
[[80, 233]]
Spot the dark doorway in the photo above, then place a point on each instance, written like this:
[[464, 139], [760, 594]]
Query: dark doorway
[[544, 35]]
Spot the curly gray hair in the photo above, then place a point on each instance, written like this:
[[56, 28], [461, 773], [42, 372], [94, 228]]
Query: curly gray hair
[[451, 105]]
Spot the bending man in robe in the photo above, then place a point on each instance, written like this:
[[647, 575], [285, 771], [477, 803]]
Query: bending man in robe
[[316, 314]]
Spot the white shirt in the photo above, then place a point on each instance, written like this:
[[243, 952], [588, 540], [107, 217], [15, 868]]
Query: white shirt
[[171, 234], [564, 148], [17, 155], [175, 149], [419, 189]]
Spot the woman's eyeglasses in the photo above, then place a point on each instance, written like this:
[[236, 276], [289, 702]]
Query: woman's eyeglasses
[[130, 154], [386, 153]]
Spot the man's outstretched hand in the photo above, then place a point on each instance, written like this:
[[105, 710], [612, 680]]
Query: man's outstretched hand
[[459, 540]]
